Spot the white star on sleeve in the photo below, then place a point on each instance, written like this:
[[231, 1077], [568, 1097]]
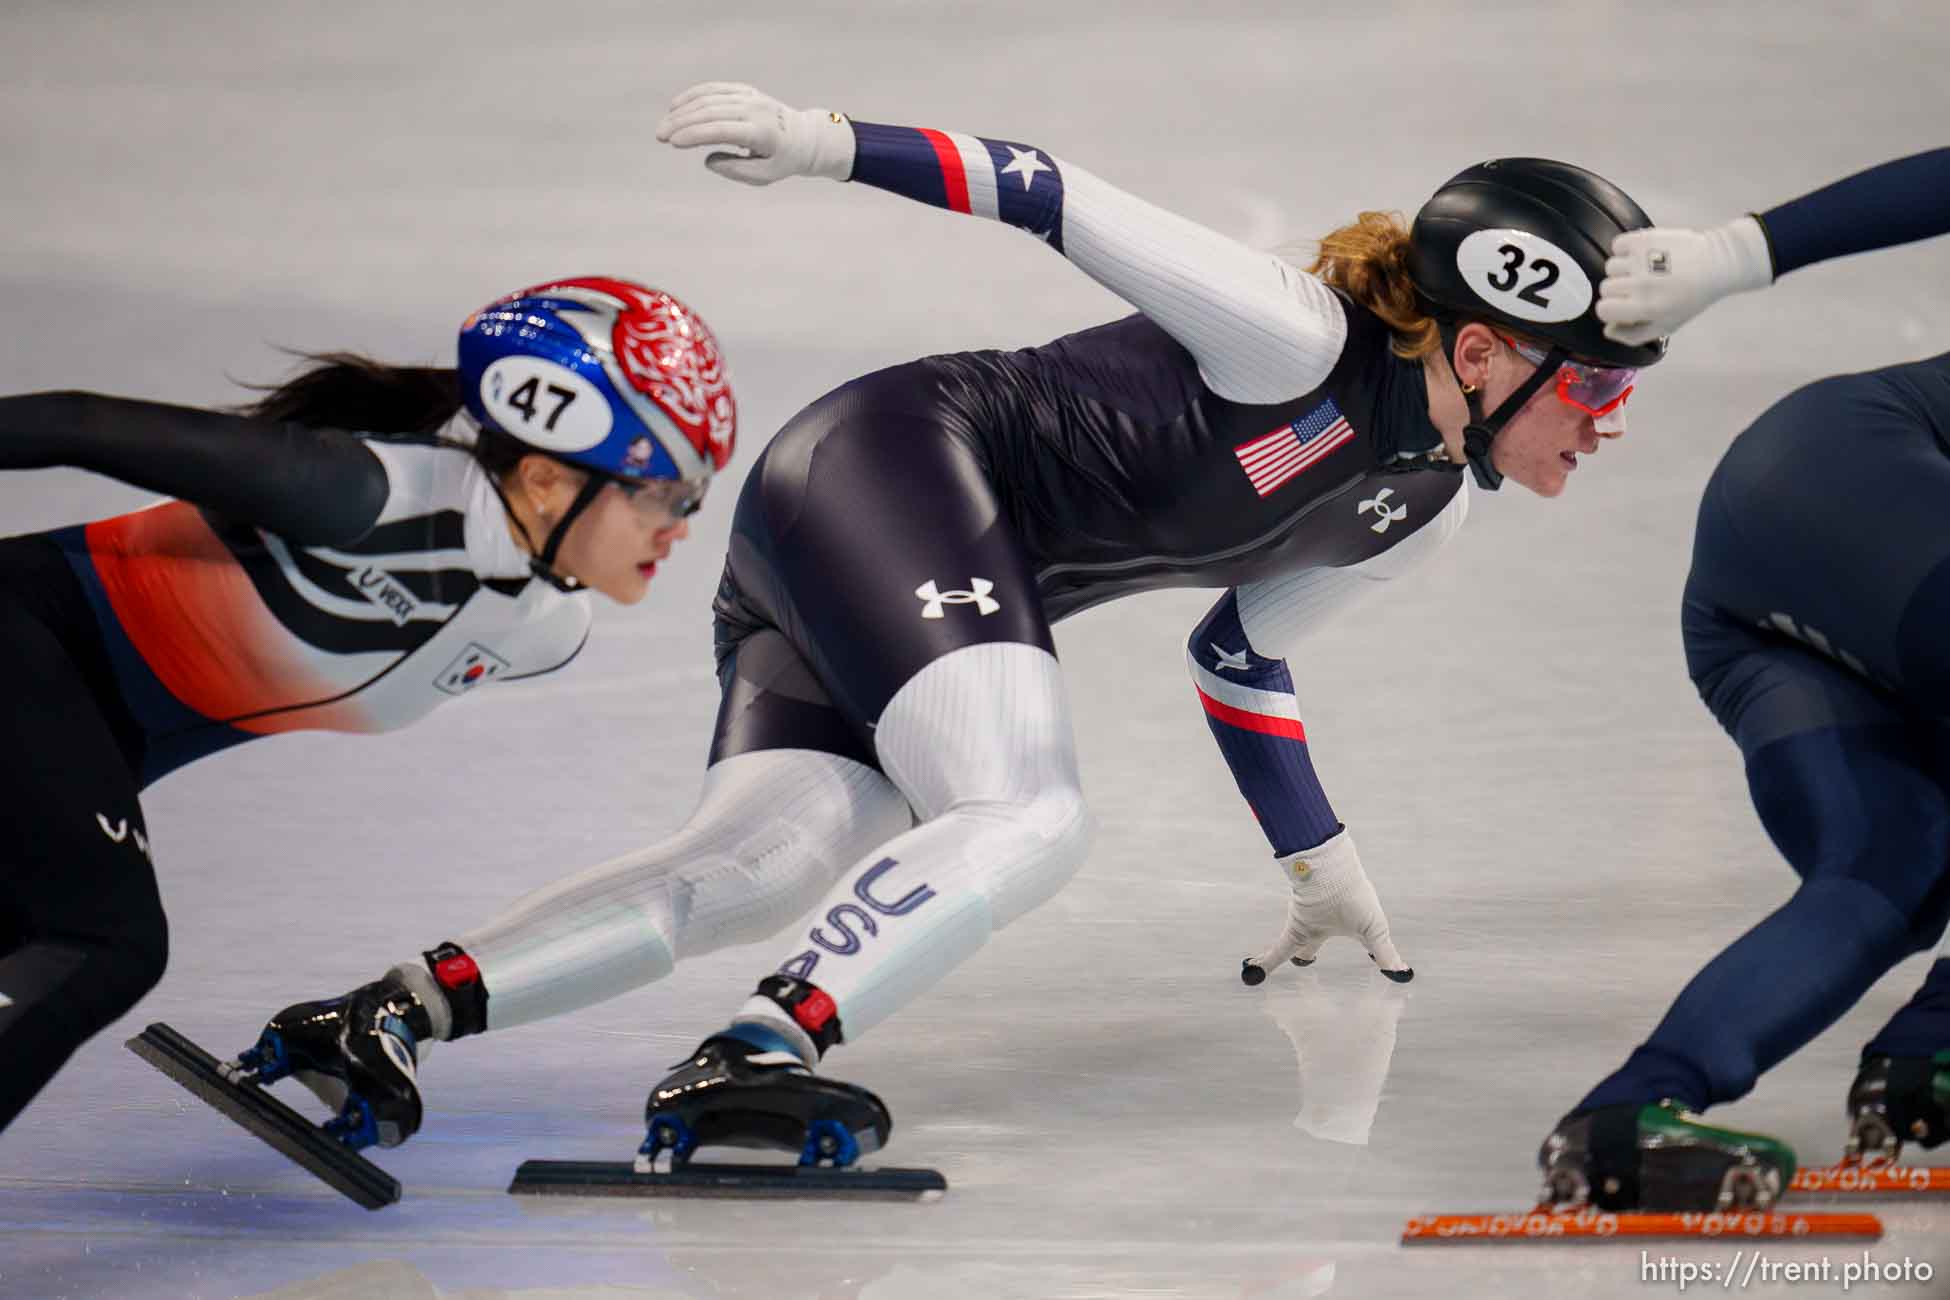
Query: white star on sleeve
[[1026, 164], [1229, 659]]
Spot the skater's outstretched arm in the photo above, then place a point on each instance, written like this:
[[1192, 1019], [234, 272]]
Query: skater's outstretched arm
[[1660, 278], [312, 487], [1240, 656], [1261, 330]]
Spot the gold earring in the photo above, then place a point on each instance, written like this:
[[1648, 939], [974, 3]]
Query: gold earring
[[1469, 390]]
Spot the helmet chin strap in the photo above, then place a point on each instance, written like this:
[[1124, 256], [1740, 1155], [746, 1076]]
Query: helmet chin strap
[[1480, 432], [542, 563]]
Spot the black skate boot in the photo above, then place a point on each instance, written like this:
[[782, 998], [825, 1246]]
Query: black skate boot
[[731, 1094], [1895, 1099], [1659, 1157], [748, 1087], [358, 1053]]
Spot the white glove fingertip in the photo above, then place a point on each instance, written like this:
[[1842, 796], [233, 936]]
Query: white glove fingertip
[[1631, 333], [1396, 974], [1382, 949], [728, 107], [1616, 308], [1275, 956], [1630, 243], [728, 135], [738, 167], [703, 88]]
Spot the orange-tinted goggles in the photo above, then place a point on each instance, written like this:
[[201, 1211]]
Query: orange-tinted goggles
[[1595, 390]]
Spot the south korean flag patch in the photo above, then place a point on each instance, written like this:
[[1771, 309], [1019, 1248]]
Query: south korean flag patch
[[469, 669]]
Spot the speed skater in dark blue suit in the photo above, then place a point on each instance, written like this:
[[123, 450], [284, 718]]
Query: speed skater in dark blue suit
[[1817, 629]]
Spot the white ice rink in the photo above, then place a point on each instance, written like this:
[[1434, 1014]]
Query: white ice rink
[[1557, 827]]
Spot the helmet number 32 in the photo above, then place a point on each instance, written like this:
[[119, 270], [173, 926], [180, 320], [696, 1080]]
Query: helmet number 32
[[1523, 276], [544, 404]]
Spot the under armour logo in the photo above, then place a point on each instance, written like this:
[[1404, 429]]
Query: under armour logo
[[1230, 660], [978, 596], [1379, 504], [121, 830]]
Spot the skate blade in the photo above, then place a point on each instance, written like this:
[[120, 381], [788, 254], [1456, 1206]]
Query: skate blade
[[620, 1178], [252, 1107], [1852, 1180], [1542, 1225]]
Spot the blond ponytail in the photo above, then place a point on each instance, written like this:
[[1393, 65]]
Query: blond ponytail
[[1368, 261]]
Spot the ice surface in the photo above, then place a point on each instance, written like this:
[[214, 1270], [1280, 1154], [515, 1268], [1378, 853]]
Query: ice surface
[[1557, 828]]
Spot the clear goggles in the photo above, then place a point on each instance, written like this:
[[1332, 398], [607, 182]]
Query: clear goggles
[[673, 496], [1595, 390]]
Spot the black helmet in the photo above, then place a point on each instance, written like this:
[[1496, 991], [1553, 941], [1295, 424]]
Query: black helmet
[[1522, 242]]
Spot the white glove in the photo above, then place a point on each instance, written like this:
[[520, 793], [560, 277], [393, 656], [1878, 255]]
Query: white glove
[[1658, 279], [1331, 897], [774, 141]]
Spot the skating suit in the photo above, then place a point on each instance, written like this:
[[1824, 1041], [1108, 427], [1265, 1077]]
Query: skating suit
[[374, 579], [1249, 427], [217, 630], [1817, 629]]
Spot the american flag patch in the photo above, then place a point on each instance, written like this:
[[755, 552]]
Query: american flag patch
[[1272, 459]]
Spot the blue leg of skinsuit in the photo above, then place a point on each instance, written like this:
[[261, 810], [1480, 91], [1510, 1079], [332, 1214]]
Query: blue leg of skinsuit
[[1817, 617]]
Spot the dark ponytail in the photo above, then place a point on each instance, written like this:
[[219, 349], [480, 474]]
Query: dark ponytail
[[343, 390]]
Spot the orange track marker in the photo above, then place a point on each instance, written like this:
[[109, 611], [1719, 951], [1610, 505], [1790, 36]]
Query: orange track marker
[[1871, 1180], [1596, 1225]]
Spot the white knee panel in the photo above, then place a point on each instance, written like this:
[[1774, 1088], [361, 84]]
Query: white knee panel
[[983, 736], [772, 830], [980, 743]]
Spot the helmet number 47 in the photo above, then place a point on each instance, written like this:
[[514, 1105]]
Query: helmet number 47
[[523, 400]]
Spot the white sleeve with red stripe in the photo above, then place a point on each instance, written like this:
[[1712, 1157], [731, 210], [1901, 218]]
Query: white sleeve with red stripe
[[1261, 330]]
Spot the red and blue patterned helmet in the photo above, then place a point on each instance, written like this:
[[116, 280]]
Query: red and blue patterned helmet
[[607, 374]]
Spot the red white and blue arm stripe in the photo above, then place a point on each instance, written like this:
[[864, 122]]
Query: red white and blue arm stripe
[[1251, 707], [1248, 696], [1261, 330], [1016, 184]]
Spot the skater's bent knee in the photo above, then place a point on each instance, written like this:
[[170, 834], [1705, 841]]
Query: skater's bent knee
[[1851, 803], [1032, 846]]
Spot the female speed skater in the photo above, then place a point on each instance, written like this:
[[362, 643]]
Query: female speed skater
[[893, 744], [355, 547], [1817, 629]]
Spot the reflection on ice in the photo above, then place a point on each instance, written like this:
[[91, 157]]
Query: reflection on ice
[[1342, 1044]]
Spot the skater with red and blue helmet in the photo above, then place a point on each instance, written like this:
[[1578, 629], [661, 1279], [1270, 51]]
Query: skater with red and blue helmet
[[1817, 629], [355, 547]]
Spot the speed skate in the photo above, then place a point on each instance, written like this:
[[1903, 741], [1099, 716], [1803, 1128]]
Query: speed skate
[[663, 1167], [233, 1088], [729, 1094]]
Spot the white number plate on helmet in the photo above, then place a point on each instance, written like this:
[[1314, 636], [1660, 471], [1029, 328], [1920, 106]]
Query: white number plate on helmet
[[544, 404], [1524, 276]]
